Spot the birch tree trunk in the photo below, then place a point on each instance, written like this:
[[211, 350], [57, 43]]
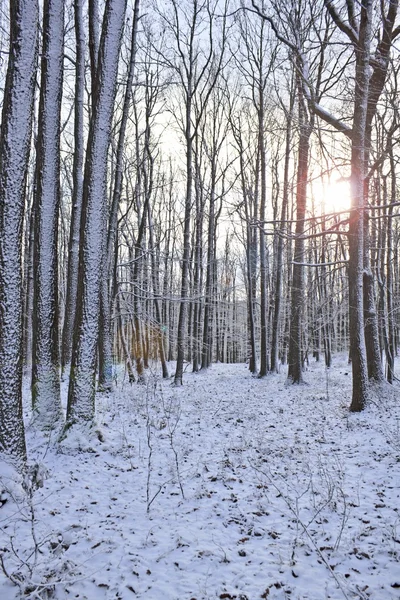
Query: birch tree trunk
[[15, 136], [46, 399]]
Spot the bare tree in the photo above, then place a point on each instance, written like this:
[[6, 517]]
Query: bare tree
[[259, 57], [358, 28], [357, 25], [197, 69], [248, 168], [295, 25], [214, 135], [279, 254]]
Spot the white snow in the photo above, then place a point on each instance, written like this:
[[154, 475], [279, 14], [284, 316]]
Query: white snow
[[228, 487]]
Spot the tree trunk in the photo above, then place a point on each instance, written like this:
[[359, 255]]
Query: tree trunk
[[297, 295], [105, 341], [356, 227], [182, 320], [46, 399], [206, 354], [157, 309], [76, 209], [125, 347], [15, 136], [208, 303], [28, 302], [263, 258], [279, 246], [389, 274], [197, 264], [81, 393], [375, 88]]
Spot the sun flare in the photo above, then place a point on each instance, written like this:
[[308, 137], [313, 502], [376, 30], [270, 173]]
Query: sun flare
[[333, 196]]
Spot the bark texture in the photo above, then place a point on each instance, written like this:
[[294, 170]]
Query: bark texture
[[81, 393], [356, 228], [297, 293], [15, 138], [46, 397], [73, 245]]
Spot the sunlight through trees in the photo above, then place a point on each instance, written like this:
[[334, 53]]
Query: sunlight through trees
[[194, 182]]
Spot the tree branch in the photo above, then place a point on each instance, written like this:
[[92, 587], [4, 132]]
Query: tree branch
[[347, 29], [269, 20]]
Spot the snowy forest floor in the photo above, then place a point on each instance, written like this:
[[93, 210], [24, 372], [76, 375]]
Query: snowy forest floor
[[229, 487]]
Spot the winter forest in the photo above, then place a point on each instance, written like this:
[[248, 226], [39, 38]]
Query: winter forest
[[199, 299]]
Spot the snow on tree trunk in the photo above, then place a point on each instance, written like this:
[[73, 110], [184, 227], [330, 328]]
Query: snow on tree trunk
[[182, 320], [356, 227], [371, 330], [106, 381], [15, 137], [297, 292], [73, 245], [28, 291], [45, 357], [370, 78], [375, 88], [206, 354], [263, 255], [81, 393], [105, 338]]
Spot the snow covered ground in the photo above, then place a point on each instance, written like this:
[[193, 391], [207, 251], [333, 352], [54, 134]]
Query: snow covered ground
[[229, 487]]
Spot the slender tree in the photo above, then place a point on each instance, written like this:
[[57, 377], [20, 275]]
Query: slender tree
[[77, 175], [380, 61], [248, 169], [295, 357], [274, 366], [255, 63], [197, 69], [217, 127]]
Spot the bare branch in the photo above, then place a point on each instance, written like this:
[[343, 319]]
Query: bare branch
[[278, 35], [347, 29], [330, 119]]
